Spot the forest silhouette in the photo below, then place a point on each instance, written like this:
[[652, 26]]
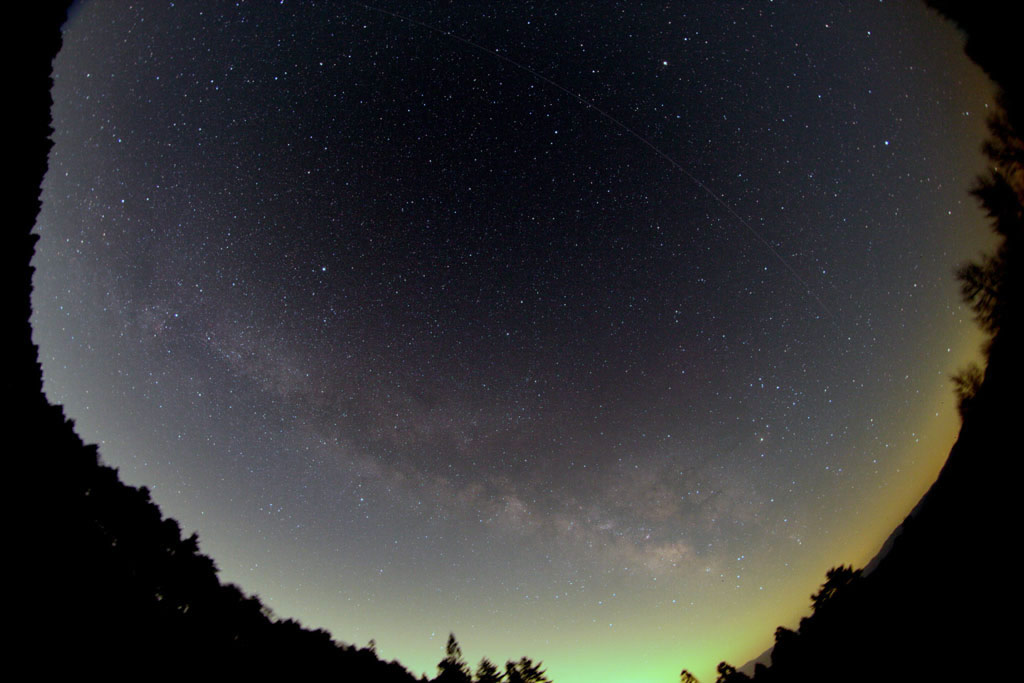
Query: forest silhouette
[[935, 605], [104, 583]]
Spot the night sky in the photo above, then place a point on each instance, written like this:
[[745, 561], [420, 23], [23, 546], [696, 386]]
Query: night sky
[[593, 332]]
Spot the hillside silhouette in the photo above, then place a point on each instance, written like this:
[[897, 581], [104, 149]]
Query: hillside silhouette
[[937, 604], [103, 582]]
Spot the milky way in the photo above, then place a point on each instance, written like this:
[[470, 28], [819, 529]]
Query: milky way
[[593, 333]]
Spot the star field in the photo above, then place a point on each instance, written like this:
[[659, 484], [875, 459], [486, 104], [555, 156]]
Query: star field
[[594, 333]]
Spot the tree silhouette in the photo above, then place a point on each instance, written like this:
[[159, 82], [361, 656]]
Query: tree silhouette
[[837, 580], [525, 671], [687, 677], [991, 285], [728, 674], [966, 384], [920, 610], [453, 668], [487, 672]]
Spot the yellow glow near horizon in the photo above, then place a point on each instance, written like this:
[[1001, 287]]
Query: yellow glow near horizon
[[564, 400]]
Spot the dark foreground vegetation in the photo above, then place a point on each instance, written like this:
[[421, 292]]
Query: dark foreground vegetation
[[103, 583], [939, 604]]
